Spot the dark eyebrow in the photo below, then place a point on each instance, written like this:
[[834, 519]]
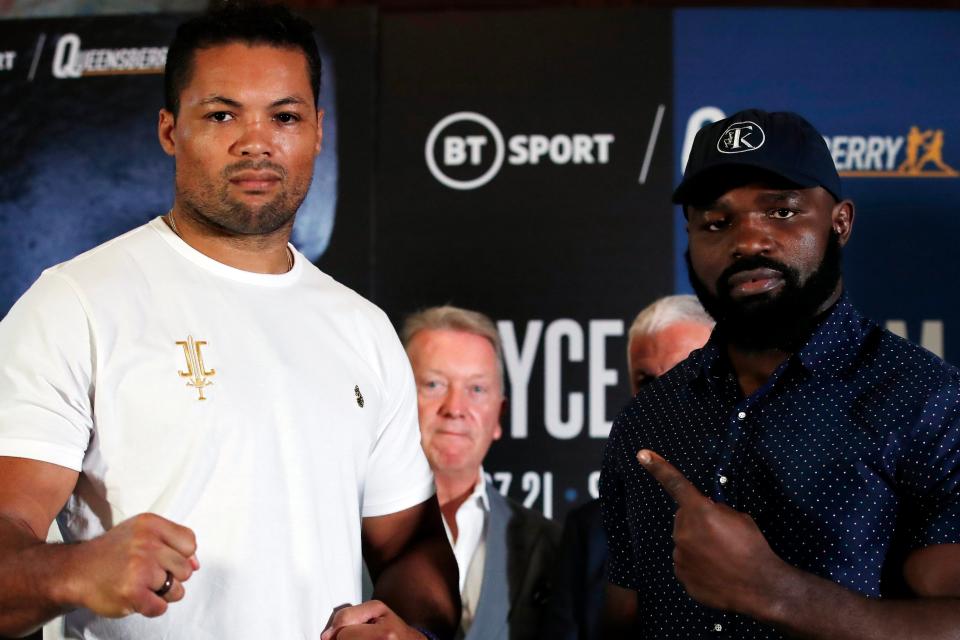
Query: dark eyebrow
[[221, 100], [768, 197], [230, 102], [717, 205], [780, 196], [289, 100]]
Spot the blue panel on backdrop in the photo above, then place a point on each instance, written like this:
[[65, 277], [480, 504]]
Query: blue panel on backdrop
[[882, 87]]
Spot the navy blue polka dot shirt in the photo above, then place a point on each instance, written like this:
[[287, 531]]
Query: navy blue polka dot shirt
[[847, 459]]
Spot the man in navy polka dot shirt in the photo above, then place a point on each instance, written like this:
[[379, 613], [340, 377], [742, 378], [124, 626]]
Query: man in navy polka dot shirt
[[799, 476]]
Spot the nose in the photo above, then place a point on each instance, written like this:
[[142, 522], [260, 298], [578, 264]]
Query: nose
[[254, 140], [454, 403], [752, 236]]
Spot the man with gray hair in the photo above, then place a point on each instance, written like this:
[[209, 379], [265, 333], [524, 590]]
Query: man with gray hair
[[503, 550], [663, 334]]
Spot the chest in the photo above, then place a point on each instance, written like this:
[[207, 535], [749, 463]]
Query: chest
[[232, 387]]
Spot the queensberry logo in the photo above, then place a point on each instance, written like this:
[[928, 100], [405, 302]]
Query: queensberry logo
[[918, 154], [70, 60]]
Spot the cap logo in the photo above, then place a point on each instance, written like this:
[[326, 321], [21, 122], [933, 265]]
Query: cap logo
[[741, 137]]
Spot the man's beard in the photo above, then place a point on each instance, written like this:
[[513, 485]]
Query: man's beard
[[213, 205], [779, 321]]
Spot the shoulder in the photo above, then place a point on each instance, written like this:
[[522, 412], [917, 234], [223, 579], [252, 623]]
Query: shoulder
[[334, 290], [355, 311], [905, 368], [674, 381], [859, 351], [68, 285], [666, 395], [108, 257]]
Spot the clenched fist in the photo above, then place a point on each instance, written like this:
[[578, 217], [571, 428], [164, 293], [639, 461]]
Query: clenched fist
[[122, 571]]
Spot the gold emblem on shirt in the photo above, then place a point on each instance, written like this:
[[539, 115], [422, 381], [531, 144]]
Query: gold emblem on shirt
[[197, 375]]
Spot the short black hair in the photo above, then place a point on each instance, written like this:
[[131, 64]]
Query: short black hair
[[253, 23]]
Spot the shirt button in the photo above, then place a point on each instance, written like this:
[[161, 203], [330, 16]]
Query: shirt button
[[718, 627], [742, 415], [723, 479]]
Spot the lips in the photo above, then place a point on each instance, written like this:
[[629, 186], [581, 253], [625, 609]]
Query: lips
[[453, 434], [754, 282], [255, 180]]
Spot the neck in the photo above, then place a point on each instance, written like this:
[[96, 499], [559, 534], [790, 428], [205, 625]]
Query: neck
[[453, 489], [264, 253]]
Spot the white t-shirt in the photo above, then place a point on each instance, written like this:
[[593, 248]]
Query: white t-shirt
[[308, 423]]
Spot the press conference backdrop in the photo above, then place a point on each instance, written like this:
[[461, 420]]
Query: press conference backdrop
[[519, 163]]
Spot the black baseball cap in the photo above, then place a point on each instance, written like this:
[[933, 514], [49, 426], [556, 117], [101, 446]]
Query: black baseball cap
[[780, 143]]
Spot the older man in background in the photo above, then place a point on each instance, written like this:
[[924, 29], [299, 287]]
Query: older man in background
[[584, 605], [503, 550], [663, 334]]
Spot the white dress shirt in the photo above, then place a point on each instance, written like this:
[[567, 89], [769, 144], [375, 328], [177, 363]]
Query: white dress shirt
[[470, 548]]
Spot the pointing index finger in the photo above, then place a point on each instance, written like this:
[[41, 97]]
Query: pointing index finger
[[673, 482]]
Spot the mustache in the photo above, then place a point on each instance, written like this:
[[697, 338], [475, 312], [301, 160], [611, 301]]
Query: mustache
[[253, 165], [749, 263]]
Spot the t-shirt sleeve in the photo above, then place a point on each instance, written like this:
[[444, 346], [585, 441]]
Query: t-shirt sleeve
[[620, 568], [398, 475], [45, 375], [930, 472]]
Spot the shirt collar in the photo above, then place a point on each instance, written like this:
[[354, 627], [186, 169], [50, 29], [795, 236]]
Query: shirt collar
[[480, 491], [832, 347], [837, 341]]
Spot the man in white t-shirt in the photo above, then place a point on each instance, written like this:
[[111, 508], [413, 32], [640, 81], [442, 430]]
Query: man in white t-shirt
[[504, 551], [196, 392]]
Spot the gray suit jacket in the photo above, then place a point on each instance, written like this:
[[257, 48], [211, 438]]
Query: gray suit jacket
[[520, 553]]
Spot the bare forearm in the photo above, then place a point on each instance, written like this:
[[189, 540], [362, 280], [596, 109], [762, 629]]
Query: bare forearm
[[421, 586], [33, 576], [810, 607]]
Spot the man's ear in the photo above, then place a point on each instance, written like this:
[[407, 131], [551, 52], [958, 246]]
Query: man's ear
[[843, 213], [319, 144], [166, 125]]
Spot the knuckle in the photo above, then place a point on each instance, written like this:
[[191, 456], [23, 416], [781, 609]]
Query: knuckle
[[141, 532], [673, 484], [128, 592], [177, 593], [710, 515], [145, 521], [136, 570], [149, 545], [153, 608], [191, 541]]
